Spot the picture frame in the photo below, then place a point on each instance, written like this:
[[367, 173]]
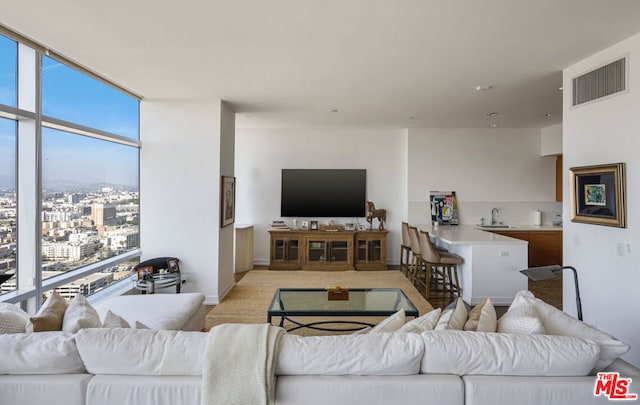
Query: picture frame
[[228, 201], [362, 227], [304, 225], [144, 272], [172, 265], [314, 226], [598, 195], [349, 226]]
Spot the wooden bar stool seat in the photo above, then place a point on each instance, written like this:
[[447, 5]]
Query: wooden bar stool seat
[[441, 268]]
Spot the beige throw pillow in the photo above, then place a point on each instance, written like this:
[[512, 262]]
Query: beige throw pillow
[[453, 318], [390, 324], [482, 318], [112, 320], [50, 316]]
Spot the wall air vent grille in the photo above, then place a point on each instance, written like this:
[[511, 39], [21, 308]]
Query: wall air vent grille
[[602, 82]]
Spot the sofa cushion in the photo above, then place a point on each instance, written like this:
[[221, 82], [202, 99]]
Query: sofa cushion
[[369, 354], [40, 353], [426, 322], [141, 352], [157, 311], [80, 314], [50, 315], [482, 317], [557, 322], [485, 353]]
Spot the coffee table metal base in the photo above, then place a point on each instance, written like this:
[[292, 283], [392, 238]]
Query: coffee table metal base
[[314, 325]]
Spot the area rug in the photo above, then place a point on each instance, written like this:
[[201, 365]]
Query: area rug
[[249, 300]]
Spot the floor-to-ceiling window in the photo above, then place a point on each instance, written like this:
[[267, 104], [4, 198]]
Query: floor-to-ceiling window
[[76, 171]]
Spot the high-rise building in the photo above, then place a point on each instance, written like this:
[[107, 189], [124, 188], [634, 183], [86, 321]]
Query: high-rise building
[[103, 214]]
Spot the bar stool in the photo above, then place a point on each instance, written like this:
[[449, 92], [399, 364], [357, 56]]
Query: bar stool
[[441, 268], [405, 250], [416, 265]]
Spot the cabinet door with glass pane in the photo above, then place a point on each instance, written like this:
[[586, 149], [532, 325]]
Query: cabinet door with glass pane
[[285, 250], [371, 250]]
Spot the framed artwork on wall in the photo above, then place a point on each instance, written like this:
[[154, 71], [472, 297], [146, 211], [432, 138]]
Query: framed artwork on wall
[[598, 195], [228, 203]]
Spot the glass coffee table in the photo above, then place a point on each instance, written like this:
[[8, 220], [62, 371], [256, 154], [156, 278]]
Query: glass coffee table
[[314, 302]]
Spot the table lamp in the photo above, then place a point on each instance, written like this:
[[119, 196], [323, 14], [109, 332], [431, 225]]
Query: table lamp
[[551, 272]]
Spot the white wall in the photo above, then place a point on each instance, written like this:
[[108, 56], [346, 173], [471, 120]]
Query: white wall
[[262, 154], [603, 132], [551, 138], [487, 168], [180, 188], [227, 157]]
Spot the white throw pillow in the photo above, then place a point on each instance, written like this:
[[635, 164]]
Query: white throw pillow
[[80, 314], [112, 320], [453, 318], [140, 325], [521, 319], [390, 324], [427, 321], [12, 319], [482, 318], [557, 322]]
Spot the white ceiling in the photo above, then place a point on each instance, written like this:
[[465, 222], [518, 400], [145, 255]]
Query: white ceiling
[[287, 63]]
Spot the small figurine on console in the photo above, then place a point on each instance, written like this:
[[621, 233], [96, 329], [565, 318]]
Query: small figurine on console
[[372, 212]]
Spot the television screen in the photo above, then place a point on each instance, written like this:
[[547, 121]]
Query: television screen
[[323, 192]]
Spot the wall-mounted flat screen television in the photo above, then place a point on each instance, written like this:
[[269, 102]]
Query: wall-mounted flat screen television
[[323, 193]]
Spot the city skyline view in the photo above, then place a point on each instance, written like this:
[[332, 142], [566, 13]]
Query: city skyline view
[[88, 171]]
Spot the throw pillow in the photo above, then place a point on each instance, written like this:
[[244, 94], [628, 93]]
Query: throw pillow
[[557, 322], [80, 314], [140, 325], [10, 322], [49, 318], [112, 320], [482, 318], [427, 321], [12, 319], [390, 324], [453, 318], [521, 319]]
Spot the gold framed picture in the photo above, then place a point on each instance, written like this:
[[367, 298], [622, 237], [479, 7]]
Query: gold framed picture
[[172, 266], [598, 195]]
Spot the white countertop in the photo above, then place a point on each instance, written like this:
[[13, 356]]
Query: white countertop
[[468, 234]]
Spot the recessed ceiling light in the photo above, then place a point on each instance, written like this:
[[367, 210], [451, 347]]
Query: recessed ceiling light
[[335, 110], [547, 115], [494, 125], [560, 88], [483, 87], [492, 114]]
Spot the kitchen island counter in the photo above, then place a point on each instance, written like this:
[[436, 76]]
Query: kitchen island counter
[[492, 262]]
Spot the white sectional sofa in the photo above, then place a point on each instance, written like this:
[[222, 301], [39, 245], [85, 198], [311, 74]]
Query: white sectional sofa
[[136, 366], [100, 366]]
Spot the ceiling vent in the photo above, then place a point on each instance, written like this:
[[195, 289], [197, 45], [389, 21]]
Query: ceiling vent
[[601, 82]]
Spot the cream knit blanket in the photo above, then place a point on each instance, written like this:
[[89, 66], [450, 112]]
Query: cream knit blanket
[[239, 364]]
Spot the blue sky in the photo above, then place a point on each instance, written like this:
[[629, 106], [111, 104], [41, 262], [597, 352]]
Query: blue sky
[[75, 97]]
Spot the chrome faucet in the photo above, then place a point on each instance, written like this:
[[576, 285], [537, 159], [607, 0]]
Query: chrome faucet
[[494, 216]]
